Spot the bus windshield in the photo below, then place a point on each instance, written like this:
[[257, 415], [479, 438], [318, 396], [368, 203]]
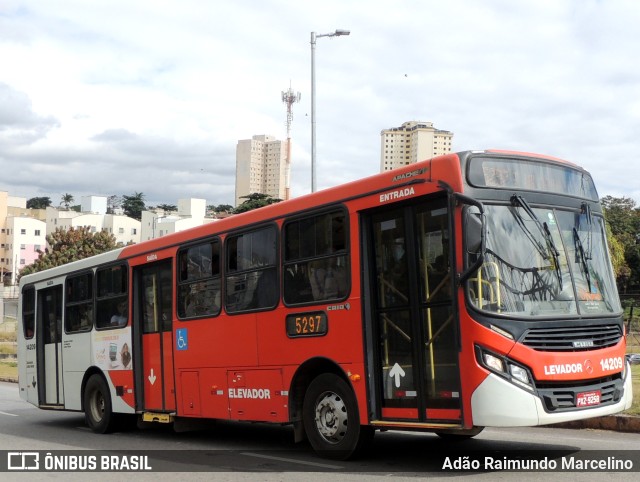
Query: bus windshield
[[544, 262]]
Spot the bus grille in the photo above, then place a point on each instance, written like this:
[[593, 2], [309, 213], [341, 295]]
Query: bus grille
[[572, 339], [561, 396]]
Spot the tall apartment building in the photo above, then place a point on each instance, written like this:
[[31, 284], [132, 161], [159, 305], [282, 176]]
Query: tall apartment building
[[412, 142], [260, 167]]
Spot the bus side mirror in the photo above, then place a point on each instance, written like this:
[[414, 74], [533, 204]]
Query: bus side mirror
[[474, 234], [473, 230]]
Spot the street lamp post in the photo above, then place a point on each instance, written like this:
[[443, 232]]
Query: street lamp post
[[314, 36]]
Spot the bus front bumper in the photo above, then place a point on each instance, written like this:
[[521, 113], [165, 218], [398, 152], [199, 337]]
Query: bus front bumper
[[498, 403]]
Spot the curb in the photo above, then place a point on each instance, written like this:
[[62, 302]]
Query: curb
[[616, 423]]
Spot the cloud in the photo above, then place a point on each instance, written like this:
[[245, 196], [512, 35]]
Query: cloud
[[121, 97], [19, 125]]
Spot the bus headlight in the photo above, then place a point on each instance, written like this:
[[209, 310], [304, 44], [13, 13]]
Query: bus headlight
[[493, 362], [519, 373], [505, 367]]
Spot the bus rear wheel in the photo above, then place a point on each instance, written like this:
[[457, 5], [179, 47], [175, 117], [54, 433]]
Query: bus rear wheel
[[97, 405], [331, 419]]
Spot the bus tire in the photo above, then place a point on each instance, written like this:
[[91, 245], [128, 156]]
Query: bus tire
[[331, 419], [97, 405]]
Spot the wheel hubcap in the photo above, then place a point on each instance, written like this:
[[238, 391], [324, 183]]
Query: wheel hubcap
[[331, 417], [97, 406]]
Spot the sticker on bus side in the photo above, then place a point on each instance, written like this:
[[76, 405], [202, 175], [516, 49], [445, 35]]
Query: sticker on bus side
[[181, 339]]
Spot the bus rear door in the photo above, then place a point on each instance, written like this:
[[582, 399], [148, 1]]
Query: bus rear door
[[49, 346], [153, 360], [410, 320]]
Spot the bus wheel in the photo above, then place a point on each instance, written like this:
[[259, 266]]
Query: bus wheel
[[461, 434], [97, 405], [330, 416]]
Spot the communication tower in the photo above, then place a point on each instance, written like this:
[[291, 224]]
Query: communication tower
[[289, 97]]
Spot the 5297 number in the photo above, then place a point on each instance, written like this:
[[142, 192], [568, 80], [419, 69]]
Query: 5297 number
[[307, 324]]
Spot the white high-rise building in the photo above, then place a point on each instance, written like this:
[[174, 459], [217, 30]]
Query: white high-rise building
[[260, 167], [412, 142]]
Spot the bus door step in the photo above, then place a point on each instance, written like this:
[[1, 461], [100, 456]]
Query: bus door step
[[157, 417], [50, 406]]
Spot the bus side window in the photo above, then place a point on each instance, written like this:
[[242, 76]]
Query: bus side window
[[28, 312], [199, 280], [79, 303], [112, 303], [316, 261], [252, 279]]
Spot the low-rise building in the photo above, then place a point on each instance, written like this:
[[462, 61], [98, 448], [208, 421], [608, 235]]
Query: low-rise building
[[125, 229], [191, 213]]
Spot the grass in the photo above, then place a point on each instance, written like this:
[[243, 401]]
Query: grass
[[8, 369], [635, 378], [7, 349], [633, 346], [7, 336]]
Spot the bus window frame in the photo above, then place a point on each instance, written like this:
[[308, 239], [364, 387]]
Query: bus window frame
[[87, 301], [33, 312], [285, 263], [98, 299], [228, 273], [219, 276], [477, 159]]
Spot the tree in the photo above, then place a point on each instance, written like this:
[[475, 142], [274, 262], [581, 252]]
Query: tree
[[70, 245], [113, 202], [623, 223], [167, 208], [220, 208], [66, 201], [623, 217], [133, 205], [255, 201], [38, 203], [616, 249]]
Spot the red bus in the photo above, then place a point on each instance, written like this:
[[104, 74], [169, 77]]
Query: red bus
[[470, 290]]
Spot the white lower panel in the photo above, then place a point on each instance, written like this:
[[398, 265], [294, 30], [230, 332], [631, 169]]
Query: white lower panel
[[498, 403]]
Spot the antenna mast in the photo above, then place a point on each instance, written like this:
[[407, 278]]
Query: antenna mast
[[289, 97]]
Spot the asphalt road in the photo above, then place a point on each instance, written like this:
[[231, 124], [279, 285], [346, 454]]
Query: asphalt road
[[241, 451]]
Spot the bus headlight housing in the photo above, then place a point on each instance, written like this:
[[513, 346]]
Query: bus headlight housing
[[505, 367], [493, 362], [519, 373]]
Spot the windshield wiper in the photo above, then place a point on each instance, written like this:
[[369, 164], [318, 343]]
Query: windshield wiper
[[583, 254], [583, 257], [544, 230]]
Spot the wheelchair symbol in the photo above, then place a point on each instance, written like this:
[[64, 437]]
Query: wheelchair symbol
[[181, 340]]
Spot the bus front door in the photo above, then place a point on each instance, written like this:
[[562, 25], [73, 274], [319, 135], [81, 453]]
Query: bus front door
[[411, 326], [49, 346], [153, 361]]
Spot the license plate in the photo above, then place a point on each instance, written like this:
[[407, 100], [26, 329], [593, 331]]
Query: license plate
[[588, 399]]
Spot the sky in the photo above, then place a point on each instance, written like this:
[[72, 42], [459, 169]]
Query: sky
[[116, 97]]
